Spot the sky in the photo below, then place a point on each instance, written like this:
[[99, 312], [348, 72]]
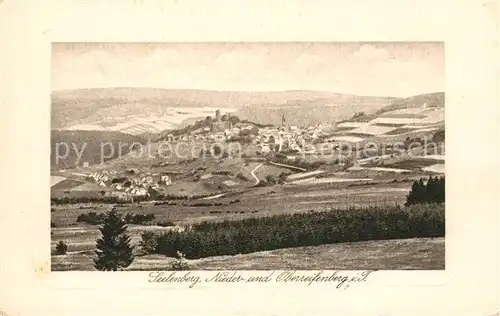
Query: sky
[[375, 69]]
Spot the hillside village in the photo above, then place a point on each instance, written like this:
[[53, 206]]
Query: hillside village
[[229, 128], [288, 147]]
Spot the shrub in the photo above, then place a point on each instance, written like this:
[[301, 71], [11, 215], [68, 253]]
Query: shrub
[[52, 225], [180, 263], [113, 248], [165, 224], [139, 219], [61, 248], [91, 218], [282, 176], [165, 203], [148, 242], [241, 177], [221, 172], [272, 179]]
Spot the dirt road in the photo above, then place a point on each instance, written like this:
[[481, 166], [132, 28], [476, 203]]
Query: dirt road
[[253, 173]]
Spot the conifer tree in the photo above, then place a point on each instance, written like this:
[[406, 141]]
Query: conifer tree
[[440, 191], [417, 193], [421, 193], [113, 248], [410, 198], [431, 189]]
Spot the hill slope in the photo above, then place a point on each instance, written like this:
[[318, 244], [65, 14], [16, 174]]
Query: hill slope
[[432, 100], [70, 143]]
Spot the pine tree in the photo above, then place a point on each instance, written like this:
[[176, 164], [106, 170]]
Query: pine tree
[[417, 193], [410, 198], [113, 248], [421, 193], [431, 190], [440, 191]]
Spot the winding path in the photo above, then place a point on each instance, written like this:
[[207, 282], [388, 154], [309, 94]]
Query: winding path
[[253, 173]]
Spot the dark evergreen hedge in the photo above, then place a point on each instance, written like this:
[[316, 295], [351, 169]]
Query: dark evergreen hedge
[[303, 229]]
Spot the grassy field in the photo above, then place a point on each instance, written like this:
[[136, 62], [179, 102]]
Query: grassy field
[[254, 202], [400, 254]]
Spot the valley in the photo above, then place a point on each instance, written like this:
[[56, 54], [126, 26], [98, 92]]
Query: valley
[[223, 167]]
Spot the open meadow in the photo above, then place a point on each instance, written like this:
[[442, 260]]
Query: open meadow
[[398, 254]]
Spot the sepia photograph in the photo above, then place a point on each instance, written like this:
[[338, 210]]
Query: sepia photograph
[[247, 156]]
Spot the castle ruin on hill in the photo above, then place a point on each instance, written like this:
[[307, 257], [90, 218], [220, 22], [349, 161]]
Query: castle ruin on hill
[[220, 123]]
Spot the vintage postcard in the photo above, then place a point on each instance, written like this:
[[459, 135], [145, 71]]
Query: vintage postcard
[[262, 159], [248, 156]]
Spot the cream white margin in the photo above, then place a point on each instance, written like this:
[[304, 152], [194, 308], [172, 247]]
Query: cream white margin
[[469, 28]]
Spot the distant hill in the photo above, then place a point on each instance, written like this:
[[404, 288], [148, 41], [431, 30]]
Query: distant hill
[[431, 100], [344, 108], [436, 99], [185, 97], [140, 110], [109, 107], [89, 144]]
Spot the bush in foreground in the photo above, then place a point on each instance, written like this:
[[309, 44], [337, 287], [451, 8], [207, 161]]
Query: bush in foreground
[[91, 218], [61, 248], [148, 242], [165, 224], [303, 229], [180, 263]]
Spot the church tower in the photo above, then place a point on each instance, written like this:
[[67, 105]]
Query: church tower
[[283, 122]]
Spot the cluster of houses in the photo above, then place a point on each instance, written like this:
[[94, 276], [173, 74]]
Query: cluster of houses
[[293, 138], [267, 139], [101, 178], [284, 137], [135, 184]]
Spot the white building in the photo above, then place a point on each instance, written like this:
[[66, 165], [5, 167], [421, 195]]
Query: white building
[[166, 179], [265, 148]]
